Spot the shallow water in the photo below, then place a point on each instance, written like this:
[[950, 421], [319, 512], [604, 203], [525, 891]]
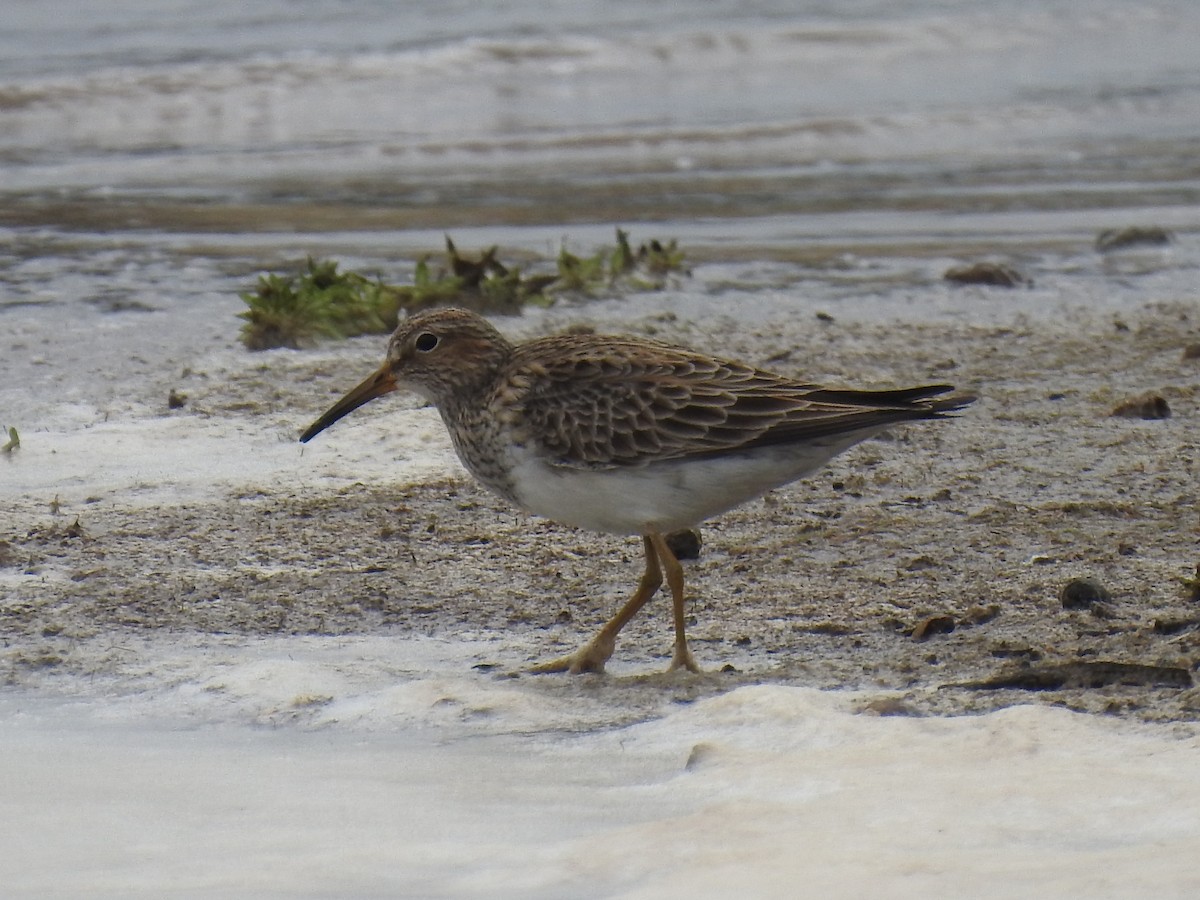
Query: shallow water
[[773, 107], [155, 157]]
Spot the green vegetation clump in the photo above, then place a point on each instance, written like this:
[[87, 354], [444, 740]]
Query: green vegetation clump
[[14, 440], [322, 302], [619, 268], [484, 284]]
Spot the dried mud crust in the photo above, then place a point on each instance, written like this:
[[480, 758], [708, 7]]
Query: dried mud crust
[[926, 565]]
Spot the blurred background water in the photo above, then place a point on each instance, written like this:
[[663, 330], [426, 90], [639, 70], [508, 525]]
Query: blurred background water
[[539, 111], [156, 154]]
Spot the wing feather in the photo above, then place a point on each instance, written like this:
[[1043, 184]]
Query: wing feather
[[608, 402]]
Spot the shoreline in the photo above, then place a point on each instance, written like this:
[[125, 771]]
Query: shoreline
[[981, 519]]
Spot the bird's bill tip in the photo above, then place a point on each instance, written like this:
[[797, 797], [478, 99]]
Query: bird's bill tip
[[381, 382]]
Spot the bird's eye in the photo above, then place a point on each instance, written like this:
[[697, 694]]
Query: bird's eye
[[426, 342]]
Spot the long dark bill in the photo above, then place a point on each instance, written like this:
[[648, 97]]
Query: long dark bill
[[378, 384]]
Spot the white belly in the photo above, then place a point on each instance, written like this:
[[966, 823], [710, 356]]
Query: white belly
[[664, 496]]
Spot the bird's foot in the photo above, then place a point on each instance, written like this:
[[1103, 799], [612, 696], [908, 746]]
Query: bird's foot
[[591, 657], [683, 659]]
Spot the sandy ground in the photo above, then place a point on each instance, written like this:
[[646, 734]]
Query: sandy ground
[[237, 666], [924, 567]]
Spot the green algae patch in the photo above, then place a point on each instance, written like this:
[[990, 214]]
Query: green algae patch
[[323, 302]]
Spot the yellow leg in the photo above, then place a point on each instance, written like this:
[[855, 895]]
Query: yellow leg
[[592, 656], [682, 657]]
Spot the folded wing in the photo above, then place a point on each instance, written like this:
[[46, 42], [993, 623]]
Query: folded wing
[[640, 403]]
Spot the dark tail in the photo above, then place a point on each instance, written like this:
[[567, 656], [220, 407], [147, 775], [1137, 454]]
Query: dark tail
[[913, 399]]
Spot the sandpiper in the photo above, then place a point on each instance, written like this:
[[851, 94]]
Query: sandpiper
[[624, 435]]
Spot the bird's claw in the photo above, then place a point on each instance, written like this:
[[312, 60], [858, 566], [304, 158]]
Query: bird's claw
[[588, 658]]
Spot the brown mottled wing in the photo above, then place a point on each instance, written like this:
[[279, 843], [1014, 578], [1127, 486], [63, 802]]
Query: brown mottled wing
[[611, 402]]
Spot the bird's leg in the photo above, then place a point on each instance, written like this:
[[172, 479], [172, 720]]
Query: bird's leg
[[682, 657], [592, 656]]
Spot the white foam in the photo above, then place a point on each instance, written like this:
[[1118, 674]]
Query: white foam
[[465, 786]]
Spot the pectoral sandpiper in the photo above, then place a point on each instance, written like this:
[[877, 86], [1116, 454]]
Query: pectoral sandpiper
[[625, 435]]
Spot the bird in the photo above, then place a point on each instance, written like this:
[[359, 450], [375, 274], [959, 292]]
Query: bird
[[625, 435]]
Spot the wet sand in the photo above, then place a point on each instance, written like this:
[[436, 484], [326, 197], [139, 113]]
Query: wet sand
[[918, 567]]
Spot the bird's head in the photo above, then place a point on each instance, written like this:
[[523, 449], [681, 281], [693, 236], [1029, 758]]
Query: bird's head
[[445, 355]]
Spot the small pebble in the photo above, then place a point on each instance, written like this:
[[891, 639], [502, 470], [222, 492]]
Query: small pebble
[[1120, 238], [994, 274], [981, 615], [933, 625], [1081, 593], [1145, 406], [1192, 585], [916, 564], [887, 706], [1174, 626]]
